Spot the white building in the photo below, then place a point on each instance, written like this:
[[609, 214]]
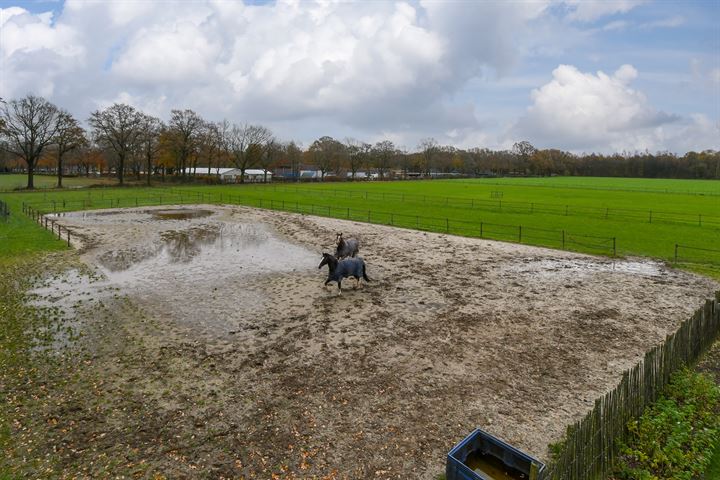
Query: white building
[[252, 175]]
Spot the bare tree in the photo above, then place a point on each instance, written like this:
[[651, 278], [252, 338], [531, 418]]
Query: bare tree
[[118, 128], [149, 142], [523, 150], [244, 143], [429, 149], [358, 154], [185, 127], [28, 126], [89, 157], [327, 153], [210, 144], [69, 136], [383, 153], [293, 154], [224, 138], [270, 155]]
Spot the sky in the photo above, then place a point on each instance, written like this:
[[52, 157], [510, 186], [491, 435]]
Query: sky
[[578, 75]]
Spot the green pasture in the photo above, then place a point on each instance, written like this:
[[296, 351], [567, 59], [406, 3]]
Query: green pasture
[[13, 182], [642, 185], [559, 215]]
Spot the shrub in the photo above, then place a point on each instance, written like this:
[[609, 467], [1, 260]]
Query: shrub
[[675, 437]]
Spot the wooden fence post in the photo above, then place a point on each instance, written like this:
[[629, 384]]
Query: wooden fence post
[[676, 252]]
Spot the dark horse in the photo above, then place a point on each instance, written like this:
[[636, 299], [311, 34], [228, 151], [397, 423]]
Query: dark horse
[[346, 248], [339, 269]]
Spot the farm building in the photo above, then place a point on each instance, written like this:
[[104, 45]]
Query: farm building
[[252, 175], [310, 174], [358, 175]]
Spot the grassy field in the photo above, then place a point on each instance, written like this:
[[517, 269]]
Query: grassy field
[[12, 182], [559, 215]]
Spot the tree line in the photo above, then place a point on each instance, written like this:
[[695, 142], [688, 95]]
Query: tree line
[[126, 141]]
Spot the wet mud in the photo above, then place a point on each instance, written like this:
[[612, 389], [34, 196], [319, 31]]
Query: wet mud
[[243, 365]]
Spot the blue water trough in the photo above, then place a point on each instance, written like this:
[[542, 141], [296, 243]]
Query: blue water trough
[[480, 456]]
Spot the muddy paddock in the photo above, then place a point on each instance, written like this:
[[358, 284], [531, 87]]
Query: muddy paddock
[[234, 361]]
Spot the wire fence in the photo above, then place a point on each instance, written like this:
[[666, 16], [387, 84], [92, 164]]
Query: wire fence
[[669, 191], [487, 230], [496, 204], [690, 254], [591, 445]]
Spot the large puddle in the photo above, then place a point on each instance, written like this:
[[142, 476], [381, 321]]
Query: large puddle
[[550, 267], [179, 262]]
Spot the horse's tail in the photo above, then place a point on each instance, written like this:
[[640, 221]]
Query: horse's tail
[[365, 277]]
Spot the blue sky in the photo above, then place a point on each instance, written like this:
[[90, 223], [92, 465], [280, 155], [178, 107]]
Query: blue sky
[[577, 75]]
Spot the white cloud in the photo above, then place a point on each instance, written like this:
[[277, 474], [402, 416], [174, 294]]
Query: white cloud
[[178, 53], [591, 10], [670, 22], [600, 112]]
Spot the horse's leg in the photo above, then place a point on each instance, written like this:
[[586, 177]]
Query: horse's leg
[[339, 286]]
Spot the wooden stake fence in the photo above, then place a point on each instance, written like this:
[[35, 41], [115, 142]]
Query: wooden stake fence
[[590, 447]]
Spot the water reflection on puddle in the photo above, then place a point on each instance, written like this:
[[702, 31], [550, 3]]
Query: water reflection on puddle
[[180, 214], [199, 270], [135, 215], [563, 266]]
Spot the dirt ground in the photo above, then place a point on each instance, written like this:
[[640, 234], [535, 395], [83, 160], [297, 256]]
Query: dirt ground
[[221, 355]]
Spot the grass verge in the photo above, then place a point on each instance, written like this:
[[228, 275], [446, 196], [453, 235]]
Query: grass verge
[[675, 438]]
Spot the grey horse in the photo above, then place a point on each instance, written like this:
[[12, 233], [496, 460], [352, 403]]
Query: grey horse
[[339, 269], [346, 248]]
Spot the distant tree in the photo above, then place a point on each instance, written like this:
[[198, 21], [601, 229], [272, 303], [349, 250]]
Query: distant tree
[[149, 143], [271, 152], [184, 128], [246, 143], [293, 154], [523, 151], [68, 136], [28, 126], [210, 144], [382, 154], [429, 149], [224, 131], [358, 154], [118, 128], [89, 157], [327, 154]]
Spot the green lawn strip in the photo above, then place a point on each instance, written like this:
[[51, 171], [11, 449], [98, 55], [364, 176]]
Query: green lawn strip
[[24, 368], [12, 182], [675, 437]]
